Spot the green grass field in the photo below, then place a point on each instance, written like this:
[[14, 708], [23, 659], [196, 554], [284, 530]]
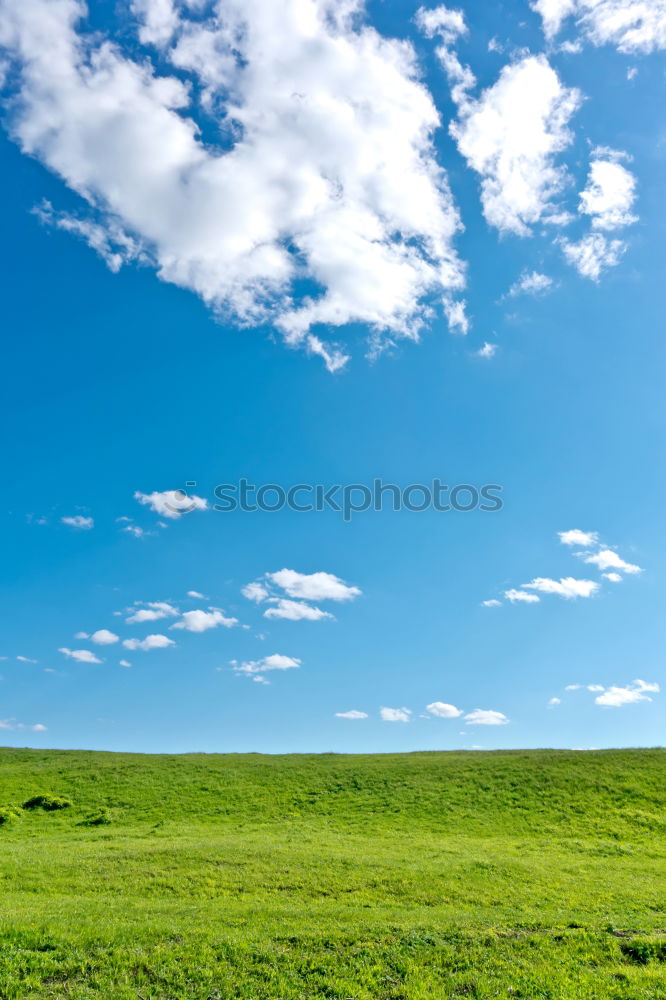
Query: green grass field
[[537, 874]]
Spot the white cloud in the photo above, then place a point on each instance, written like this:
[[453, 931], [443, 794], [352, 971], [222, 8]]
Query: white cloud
[[607, 559], [456, 316], [577, 537], [443, 710], [492, 603], [572, 687], [511, 136], [615, 697], [593, 254], [25, 659], [81, 655], [636, 26], [531, 283], [395, 714], [201, 621], [109, 241], [255, 592], [274, 662], [171, 503], [125, 663], [79, 522], [595, 687], [487, 351], [151, 611], [520, 596], [443, 21], [325, 170], [196, 595], [103, 637], [353, 714], [609, 194], [613, 577], [486, 717], [150, 642], [295, 611], [554, 702], [313, 586], [13, 724], [568, 587]]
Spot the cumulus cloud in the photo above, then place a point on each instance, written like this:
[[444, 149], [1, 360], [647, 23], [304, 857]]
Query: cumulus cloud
[[352, 714], [103, 637], [488, 351], [531, 283], [511, 136], [521, 597], [633, 26], [81, 655], [613, 577], [593, 254], [395, 714], [577, 537], [77, 520], [485, 717], [201, 621], [171, 503], [255, 592], [607, 559], [151, 611], [443, 711], [325, 168], [615, 697], [294, 611], [313, 586], [156, 641], [492, 603], [276, 661], [568, 587], [610, 192], [554, 702]]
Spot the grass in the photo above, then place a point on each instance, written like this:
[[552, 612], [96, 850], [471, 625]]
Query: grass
[[536, 874]]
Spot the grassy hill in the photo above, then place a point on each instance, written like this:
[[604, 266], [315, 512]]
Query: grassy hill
[[536, 874]]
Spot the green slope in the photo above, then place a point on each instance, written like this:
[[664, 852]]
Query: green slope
[[202, 877]]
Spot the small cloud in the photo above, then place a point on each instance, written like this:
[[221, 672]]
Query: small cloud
[[276, 661], [486, 717], [607, 559], [151, 611], [313, 586], [443, 711], [294, 610], [487, 351], [521, 596], [81, 655], [255, 592], [575, 536], [531, 283], [196, 595], [554, 701], [150, 642], [13, 724], [79, 522], [201, 621], [26, 659], [573, 687], [395, 714], [595, 687], [351, 714], [171, 503], [613, 577], [615, 697], [492, 603], [568, 588], [125, 663], [103, 637]]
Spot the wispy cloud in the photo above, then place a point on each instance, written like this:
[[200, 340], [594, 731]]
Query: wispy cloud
[[81, 655], [79, 522]]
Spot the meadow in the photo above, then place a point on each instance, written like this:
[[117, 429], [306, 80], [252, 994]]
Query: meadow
[[531, 874]]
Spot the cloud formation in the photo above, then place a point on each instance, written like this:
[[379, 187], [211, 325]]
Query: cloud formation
[[395, 714], [486, 717], [201, 621], [155, 641], [171, 503], [324, 169], [632, 26]]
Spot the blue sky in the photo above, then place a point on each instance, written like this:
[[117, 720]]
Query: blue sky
[[312, 310]]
